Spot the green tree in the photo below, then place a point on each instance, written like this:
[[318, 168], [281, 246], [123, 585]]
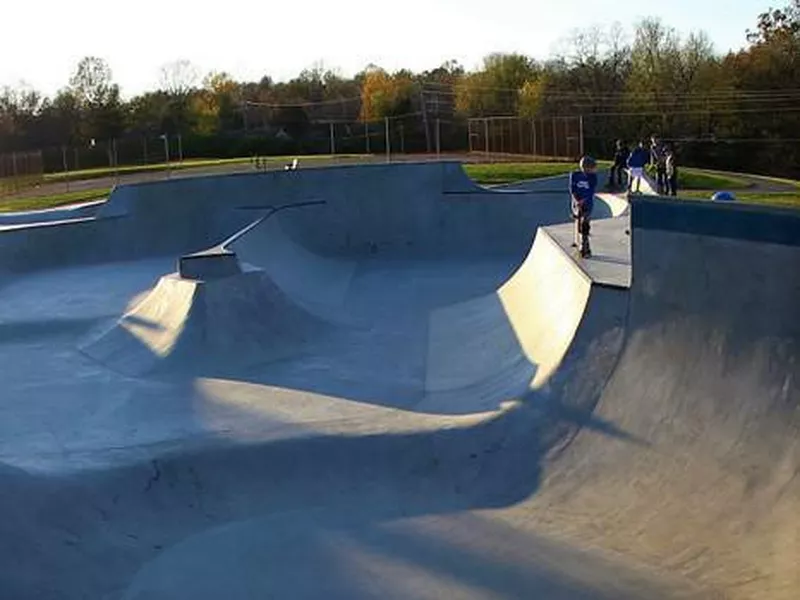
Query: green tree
[[98, 99], [494, 89], [533, 96]]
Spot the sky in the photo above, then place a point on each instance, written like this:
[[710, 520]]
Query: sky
[[42, 41]]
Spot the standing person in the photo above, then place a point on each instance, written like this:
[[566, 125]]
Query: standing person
[[672, 172], [636, 163], [620, 164], [658, 158], [582, 187]]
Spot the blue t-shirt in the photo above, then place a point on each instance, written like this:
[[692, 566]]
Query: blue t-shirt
[[638, 158], [583, 186]]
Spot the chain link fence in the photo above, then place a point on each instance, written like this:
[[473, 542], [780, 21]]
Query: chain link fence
[[551, 138], [415, 135], [20, 171]]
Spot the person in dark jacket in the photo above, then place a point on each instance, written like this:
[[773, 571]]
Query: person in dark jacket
[[658, 158], [619, 168], [636, 163]]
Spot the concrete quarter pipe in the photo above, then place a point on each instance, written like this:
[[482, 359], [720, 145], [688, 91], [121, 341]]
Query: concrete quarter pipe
[[411, 391]]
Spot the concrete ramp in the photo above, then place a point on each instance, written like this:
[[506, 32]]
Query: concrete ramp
[[515, 338], [186, 326], [707, 393], [317, 282]]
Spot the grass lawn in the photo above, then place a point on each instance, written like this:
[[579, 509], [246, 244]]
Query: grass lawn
[[497, 173], [697, 179], [52, 201], [177, 166], [781, 199], [694, 183], [502, 172]]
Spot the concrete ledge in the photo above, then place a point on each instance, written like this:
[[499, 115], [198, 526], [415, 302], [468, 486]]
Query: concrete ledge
[[216, 263], [737, 221]]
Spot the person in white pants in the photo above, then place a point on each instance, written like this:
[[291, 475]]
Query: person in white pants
[[636, 163]]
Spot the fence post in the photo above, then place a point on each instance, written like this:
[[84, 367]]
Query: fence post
[[166, 147], [333, 138], [555, 138], [580, 125], [402, 139], [438, 137], [567, 138], [486, 134], [64, 163], [533, 137], [180, 148], [388, 141], [116, 159], [366, 134], [502, 145], [423, 105]]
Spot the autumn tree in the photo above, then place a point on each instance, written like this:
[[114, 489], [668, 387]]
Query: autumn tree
[[384, 94]]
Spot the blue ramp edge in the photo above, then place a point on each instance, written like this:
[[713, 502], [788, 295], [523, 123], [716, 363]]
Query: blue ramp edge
[[736, 221]]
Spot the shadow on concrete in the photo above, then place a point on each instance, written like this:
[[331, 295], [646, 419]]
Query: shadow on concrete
[[20, 331], [586, 419], [90, 535]]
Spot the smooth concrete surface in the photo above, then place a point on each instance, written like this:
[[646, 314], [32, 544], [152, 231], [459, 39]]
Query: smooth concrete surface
[[516, 334], [411, 391], [610, 263]]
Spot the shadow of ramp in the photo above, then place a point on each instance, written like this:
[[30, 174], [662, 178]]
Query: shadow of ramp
[[26, 331], [585, 419]]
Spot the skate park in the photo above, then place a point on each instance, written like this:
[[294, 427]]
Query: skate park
[[387, 381]]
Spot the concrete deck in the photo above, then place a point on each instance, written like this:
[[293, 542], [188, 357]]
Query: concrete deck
[[610, 264]]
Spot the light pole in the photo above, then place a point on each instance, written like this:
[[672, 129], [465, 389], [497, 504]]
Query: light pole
[[165, 137]]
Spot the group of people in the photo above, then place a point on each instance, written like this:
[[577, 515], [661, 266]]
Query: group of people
[[633, 163], [583, 182]]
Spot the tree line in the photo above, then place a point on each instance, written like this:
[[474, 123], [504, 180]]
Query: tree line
[[733, 110]]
